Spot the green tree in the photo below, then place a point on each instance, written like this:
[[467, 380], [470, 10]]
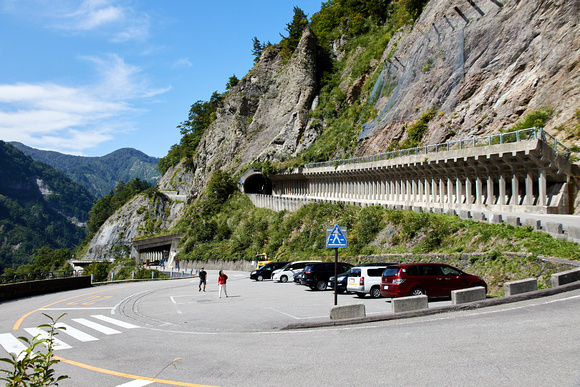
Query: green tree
[[232, 82], [257, 48], [295, 30]]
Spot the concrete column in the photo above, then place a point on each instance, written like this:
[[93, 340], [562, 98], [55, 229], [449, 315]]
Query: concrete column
[[542, 188], [529, 198], [434, 189], [468, 193], [458, 190], [489, 189], [441, 190], [515, 199], [420, 189], [502, 193], [428, 182], [450, 190], [479, 189]]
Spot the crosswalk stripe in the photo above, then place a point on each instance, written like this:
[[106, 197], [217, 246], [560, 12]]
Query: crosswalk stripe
[[122, 324], [135, 383], [73, 332], [11, 343], [95, 326], [57, 344]]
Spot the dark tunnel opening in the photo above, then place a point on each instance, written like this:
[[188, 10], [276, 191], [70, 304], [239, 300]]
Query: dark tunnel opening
[[258, 184]]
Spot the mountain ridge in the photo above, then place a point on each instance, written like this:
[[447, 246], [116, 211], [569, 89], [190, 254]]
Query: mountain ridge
[[99, 174]]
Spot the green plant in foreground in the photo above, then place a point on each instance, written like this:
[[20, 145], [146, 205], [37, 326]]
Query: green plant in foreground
[[33, 367]]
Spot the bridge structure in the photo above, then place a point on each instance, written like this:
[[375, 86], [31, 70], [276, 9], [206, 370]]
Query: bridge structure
[[160, 248], [516, 177]]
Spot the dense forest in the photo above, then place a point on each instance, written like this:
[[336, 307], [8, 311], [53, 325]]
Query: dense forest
[[39, 206]]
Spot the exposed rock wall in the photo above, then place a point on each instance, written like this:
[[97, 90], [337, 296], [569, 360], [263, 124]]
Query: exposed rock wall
[[481, 75]]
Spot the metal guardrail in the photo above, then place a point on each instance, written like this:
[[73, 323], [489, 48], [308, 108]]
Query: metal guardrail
[[36, 276], [494, 139]]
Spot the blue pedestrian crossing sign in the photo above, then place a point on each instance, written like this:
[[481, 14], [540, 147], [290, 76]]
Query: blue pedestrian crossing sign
[[336, 236]]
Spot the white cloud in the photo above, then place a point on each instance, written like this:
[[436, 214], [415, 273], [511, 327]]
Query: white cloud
[[184, 62], [71, 119]]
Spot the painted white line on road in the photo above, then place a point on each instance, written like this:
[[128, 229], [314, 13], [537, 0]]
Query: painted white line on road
[[12, 344], [101, 308], [113, 321], [294, 317], [175, 303], [75, 333], [136, 383], [95, 326], [57, 344]]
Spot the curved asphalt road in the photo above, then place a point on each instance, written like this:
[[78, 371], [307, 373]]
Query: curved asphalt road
[[168, 333]]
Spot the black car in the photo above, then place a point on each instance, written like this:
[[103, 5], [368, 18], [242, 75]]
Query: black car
[[342, 282], [316, 275], [265, 272]]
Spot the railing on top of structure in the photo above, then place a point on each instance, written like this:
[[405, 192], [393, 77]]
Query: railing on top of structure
[[494, 139]]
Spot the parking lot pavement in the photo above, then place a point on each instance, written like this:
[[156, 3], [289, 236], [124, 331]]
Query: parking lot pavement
[[251, 305]]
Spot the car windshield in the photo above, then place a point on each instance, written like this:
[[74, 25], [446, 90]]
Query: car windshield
[[448, 270], [391, 272]]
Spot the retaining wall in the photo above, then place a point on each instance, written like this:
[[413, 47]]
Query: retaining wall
[[35, 288]]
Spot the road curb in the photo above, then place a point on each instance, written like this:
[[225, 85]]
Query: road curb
[[437, 310]]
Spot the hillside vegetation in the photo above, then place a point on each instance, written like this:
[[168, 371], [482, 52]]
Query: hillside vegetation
[[39, 206]]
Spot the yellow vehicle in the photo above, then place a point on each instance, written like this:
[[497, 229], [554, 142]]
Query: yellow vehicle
[[261, 260]]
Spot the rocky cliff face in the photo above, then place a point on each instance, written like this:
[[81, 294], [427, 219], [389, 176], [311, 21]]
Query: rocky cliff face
[[481, 68], [263, 117]]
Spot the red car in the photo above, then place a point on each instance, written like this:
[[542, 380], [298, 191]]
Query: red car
[[432, 279]]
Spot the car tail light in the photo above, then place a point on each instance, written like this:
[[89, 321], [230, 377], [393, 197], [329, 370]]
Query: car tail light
[[362, 281], [398, 281], [308, 272]]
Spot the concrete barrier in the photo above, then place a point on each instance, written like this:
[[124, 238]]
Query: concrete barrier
[[554, 228], [521, 286], [347, 311], [34, 288], [574, 232], [464, 296], [535, 224], [405, 304], [513, 220], [565, 277]]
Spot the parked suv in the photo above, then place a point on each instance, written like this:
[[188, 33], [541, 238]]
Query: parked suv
[[288, 271], [265, 272], [366, 279], [432, 279], [316, 275]]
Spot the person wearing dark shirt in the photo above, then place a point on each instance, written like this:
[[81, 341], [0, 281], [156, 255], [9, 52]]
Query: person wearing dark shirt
[[202, 279]]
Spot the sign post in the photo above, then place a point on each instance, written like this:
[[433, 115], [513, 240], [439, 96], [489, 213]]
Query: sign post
[[336, 238]]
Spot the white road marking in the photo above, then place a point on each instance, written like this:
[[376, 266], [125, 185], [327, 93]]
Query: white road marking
[[135, 383], [75, 333], [113, 321], [57, 344], [95, 326], [12, 344], [294, 317]]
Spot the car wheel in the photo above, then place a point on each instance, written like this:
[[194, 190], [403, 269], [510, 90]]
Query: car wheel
[[361, 295], [260, 278], [321, 285], [284, 278], [417, 292], [375, 292]]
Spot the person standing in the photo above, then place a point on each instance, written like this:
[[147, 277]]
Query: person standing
[[202, 279], [222, 279]]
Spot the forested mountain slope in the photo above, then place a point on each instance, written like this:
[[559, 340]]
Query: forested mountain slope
[[99, 175], [39, 206]]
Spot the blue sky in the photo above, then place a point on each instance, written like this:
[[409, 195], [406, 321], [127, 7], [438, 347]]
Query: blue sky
[[89, 77]]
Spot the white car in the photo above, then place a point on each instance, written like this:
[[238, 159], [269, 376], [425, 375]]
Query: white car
[[366, 279], [287, 272]]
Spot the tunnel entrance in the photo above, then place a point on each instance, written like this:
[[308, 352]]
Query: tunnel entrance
[[258, 184]]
